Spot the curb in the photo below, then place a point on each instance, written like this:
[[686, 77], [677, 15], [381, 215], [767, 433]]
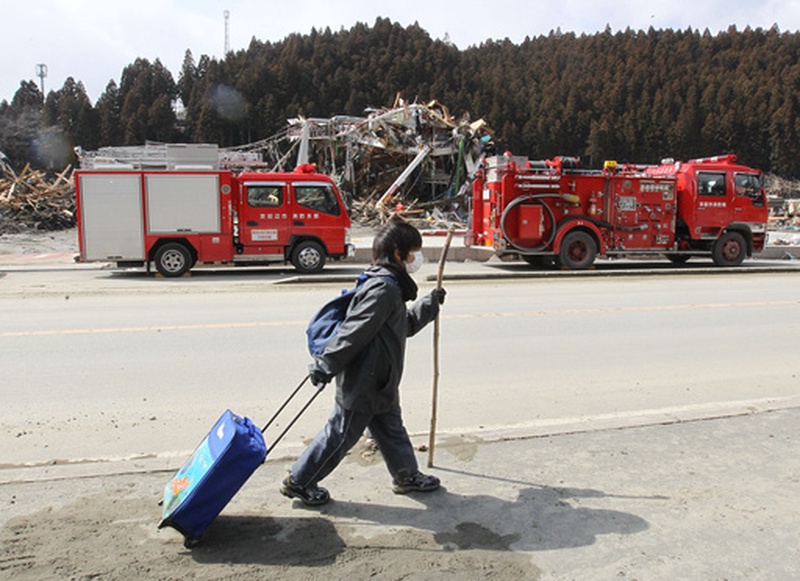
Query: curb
[[432, 253], [363, 255]]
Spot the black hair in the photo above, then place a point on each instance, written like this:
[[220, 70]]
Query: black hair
[[396, 234]]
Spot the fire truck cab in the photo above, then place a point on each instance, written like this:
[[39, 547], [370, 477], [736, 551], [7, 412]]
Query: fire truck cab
[[722, 208]]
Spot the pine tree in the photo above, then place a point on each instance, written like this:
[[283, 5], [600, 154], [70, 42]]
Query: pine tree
[[109, 113]]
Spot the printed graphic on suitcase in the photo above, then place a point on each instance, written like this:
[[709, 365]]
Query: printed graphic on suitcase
[[219, 466]]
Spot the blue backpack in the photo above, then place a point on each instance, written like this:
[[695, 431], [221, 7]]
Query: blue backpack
[[325, 324]]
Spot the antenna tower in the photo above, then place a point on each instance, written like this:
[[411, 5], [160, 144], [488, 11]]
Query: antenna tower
[[227, 15], [41, 72]]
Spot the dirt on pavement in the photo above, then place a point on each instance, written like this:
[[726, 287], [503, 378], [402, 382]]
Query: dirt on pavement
[[39, 242]]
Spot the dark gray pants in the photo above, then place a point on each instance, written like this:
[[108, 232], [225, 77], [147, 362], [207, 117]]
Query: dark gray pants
[[342, 431]]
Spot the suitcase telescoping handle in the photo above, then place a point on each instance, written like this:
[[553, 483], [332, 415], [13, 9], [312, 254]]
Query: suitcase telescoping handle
[[296, 417]]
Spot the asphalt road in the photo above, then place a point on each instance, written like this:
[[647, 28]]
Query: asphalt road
[[101, 366]]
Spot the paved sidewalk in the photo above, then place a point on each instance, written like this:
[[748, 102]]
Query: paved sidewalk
[[709, 499]]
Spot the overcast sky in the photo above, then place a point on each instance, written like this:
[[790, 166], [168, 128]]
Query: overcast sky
[[93, 40]]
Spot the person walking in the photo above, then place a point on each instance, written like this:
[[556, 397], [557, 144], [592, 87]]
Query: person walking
[[366, 356]]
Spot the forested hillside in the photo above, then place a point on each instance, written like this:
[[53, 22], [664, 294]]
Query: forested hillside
[[632, 96]]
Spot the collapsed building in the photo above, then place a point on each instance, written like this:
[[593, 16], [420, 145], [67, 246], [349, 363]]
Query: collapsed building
[[413, 159]]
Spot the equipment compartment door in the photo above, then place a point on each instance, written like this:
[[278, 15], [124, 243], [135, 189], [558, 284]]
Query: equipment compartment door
[[112, 221], [182, 203]]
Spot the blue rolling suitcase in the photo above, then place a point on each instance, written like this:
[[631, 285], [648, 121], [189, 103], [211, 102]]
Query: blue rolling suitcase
[[219, 466]]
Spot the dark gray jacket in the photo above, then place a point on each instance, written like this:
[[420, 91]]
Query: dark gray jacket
[[367, 353]]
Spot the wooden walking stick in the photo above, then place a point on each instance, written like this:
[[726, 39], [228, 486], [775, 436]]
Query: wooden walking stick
[[439, 277]]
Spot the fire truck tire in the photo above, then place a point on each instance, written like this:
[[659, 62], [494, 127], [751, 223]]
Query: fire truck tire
[[308, 257], [578, 250], [173, 259], [729, 249]]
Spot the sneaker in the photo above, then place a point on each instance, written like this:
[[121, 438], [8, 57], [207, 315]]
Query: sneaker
[[312, 495], [418, 482]]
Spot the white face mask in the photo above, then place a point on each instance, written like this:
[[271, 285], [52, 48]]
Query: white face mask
[[416, 264]]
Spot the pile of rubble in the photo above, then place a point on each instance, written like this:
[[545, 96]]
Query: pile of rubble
[[784, 206], [412, 159], [32, 200]]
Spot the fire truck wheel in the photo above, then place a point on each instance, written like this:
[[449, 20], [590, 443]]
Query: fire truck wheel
[[173, 259], [729, 249], [578, 250], [308, 257]]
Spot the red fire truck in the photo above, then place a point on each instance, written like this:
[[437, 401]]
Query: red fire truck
[[540, 210], [176, 219]]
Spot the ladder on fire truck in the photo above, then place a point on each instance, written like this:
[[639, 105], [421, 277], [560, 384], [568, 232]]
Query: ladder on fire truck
[[167, 156]]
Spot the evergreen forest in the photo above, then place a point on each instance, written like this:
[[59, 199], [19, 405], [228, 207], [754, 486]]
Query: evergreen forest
[[632, 95]]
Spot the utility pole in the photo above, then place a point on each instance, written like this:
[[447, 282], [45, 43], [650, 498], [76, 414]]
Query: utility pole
[[41, 72], [227, 14]]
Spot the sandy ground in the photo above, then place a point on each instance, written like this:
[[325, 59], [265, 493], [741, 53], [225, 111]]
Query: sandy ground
[[38, 242], [713, 499], [107, 531]]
